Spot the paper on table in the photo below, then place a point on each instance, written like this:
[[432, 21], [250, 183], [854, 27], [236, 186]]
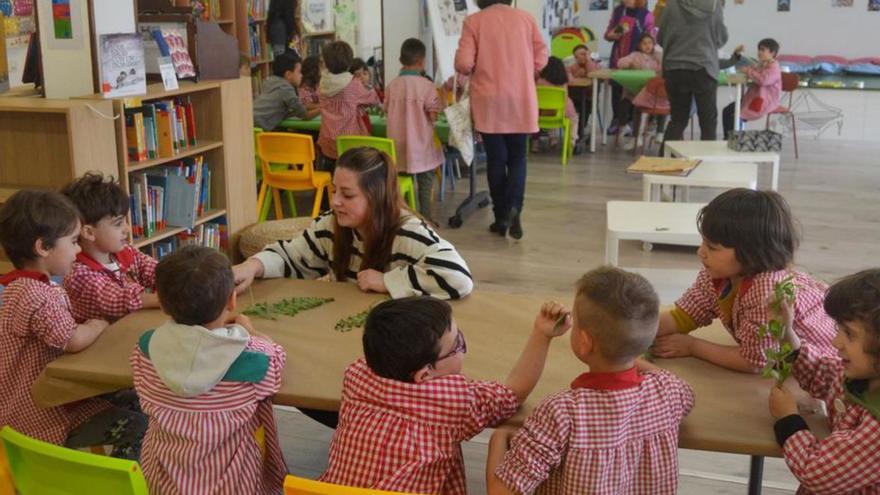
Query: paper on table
[[664, 166]]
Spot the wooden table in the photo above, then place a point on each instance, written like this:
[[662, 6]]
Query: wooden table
[[730, 413], [602, 77]]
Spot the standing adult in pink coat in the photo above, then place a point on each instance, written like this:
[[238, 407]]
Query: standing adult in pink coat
[[501, 49]]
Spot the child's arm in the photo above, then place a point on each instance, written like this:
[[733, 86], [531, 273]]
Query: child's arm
[[433, 105], [85, 334], [149, 300], [767, 76], [293, 104], [528, 368], [681, 345], [312, 111], [498, 445], [96, 293], [626, 62], [667, 325]]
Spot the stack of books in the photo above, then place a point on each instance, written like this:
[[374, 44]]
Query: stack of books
[[159, 129]]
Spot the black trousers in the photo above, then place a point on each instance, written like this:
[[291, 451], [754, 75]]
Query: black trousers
[[684, 87], [727, 122]]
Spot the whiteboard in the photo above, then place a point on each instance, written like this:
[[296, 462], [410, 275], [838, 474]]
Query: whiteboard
[[446, 18]]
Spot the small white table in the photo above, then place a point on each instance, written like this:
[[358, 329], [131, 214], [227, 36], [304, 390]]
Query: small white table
[[663, 223], [717, 151], [725, 175]]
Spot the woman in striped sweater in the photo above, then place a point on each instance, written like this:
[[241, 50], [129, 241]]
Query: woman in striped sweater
[[369, 237]]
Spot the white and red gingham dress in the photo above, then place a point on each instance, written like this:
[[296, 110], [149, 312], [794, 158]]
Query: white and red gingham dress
[[206, 444], [612, 433], [848, 460], [750, 311], [341, 115], [35, 326], [97, 292], [407, 437]]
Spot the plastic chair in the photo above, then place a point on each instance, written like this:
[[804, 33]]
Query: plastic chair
[[294, 485], [41, 468], [553, 99], [790, 82], [298, 152], [274, 167], [407, 185], [6, 485], [562, 45], [655, 87]]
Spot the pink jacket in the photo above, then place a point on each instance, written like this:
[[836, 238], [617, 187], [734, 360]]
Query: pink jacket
[[408, 100], [502, 49], [641, 61], [767, 89], [577, 70]]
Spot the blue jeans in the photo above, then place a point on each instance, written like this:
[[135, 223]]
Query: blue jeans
[[506, 171]]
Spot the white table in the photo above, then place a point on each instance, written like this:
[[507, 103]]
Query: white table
[[602, 77], [725, 175], [663, 223], [717, 151]]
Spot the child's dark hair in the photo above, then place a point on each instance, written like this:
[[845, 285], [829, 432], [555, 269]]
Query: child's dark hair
[[194, 284], [411, 51], [357, 64], [30, 215], [621, 310], [554, 72], [311, 71], [856, 298], [285, 62], [401, 336], [338, 57], [483, 4], [578, 47], [648, 36], [770, 44], [757, 224], [97, 197]]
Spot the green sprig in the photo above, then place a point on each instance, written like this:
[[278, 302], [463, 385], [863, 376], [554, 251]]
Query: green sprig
[[286, 307], [778, 365]]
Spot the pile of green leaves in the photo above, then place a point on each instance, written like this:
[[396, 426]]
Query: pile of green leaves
[[349, 323], [285, 307], [778, 365]]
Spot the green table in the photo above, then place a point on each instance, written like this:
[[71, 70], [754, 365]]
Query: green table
[[380, 126]]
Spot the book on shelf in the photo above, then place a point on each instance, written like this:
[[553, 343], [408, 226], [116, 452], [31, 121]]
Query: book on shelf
[[174, 195], [213, 234], [663, 166], [160, 129], [257, 8], [212, 11], [258, 52], [123, 70]]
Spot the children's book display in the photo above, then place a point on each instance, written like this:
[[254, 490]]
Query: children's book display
[[123, 72]]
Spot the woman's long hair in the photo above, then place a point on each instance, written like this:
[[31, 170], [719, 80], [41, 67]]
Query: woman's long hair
[[377, 178]]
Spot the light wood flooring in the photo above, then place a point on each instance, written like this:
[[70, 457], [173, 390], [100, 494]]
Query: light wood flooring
[[834, 192]]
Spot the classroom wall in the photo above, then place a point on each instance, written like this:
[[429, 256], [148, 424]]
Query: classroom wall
[[369, 30]]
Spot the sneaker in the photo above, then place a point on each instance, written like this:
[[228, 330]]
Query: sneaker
[[628, 144], [612, 129], [627, 130]]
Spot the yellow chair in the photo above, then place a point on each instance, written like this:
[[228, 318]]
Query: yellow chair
[[298, 151], [551, 115], [40, 468], [6, 485], [294, 485], [407, 185]]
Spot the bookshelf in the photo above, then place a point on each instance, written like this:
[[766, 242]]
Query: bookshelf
[[224, 141], [252, 31]]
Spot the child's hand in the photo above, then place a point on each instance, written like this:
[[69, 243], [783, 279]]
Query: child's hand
[[242, 320], [372, 280], [245, 273], [781, 403], [674, 345], [97, 325], [553, 320]]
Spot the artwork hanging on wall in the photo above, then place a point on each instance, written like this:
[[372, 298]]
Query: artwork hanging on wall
[[63, 22], [783, 5], [61, 19], [598, 4], [841, 3], [873, 5], [452, 14], [559, 14]]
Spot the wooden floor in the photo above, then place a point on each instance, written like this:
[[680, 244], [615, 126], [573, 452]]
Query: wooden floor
[[834, 191]]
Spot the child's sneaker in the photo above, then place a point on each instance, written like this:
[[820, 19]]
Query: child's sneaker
[[629, 144], [612, 129]]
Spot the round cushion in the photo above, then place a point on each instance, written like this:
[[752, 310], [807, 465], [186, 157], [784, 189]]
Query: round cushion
[[254, 238]]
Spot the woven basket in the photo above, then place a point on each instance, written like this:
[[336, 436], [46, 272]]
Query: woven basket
[[256, 237]]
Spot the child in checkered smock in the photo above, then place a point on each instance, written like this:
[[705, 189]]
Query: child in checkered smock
[[749, 240], [848, 460], [110, 278], [39, 232], [616, 430], [406, 408], [205, 380]]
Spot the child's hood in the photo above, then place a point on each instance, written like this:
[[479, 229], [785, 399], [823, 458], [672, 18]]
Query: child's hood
[[332, 84], [191, 359], [698, 9]]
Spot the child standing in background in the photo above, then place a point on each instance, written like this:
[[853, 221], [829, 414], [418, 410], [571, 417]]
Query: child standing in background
[[763, 96], [412, 105], [311, 79], [342, 97], [628, 22], [647, 57]]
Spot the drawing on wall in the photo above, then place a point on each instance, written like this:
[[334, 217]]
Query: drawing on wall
[[841, 3], [598, 4], [345, 14], [558, 14], [873, 5], [452, 14], [783, 5], [61, 19], [812, 114]]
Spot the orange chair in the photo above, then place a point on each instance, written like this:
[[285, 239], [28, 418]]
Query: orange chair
[[655, 87], [790, 82], [298, 151], [294, 485]]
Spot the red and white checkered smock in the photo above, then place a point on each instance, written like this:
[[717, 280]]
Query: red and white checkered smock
[[848, 460], [341, 115], [35, 326], [407, 437], [750, 311], [206, 444], [98, 292], [612, 433]]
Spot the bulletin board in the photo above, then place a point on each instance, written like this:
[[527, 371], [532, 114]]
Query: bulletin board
[[446, 19]]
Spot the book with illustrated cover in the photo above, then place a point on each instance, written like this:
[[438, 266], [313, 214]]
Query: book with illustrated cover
[[663, 166], [122, 65]]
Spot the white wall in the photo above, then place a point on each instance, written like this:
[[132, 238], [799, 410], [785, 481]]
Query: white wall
[[369, 30], [400, 21]]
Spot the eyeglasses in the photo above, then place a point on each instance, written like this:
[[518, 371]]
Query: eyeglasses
[[459, 347]]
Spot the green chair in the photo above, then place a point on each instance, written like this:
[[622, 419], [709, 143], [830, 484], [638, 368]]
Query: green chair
[[551, 115], [407, 185], [562, 45], [40, 468]]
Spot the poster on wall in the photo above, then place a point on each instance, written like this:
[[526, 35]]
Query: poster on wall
[[318, 15], [598, 4], [873, 5], [452, 14], [558, 14], [63, 21], [446, 18], [783, 5]]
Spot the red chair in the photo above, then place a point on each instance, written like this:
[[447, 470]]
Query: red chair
[[790, 82], [656, 88]]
